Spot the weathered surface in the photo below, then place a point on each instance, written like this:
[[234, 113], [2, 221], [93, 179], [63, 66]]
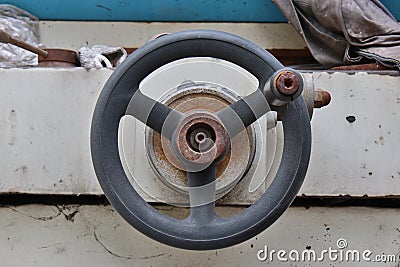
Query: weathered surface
[[37, 235], [356, 137], [44, 126]]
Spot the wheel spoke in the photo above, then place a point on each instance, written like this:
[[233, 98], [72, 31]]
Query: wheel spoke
[[243, 112], [154, 114], [202, 195]]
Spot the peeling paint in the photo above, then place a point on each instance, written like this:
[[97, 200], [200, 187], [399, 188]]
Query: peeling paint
[[12, 120]]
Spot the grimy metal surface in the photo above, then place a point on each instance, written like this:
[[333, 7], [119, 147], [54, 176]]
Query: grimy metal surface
[[355, 138], [70, 235]]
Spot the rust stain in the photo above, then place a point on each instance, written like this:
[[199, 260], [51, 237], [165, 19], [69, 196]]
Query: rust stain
[[371, 66], [59, 58]]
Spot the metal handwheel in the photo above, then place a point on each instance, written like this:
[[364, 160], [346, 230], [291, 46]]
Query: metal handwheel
[[200, 139]]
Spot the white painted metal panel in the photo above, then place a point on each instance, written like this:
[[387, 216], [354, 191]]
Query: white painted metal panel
[[38, 235], [44, 125], [46, 115], [362, 157], [75, 34]]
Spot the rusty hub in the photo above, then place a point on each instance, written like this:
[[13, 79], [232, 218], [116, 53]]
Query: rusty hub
[[201, 138], [287, 83], [231, 167]]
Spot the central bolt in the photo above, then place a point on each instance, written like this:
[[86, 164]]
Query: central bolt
[[201, 138], [287, 83]]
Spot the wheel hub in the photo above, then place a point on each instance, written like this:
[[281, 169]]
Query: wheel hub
[[201, 138], [191, 98]]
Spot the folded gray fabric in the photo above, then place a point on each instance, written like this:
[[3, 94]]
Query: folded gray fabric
[[339, 32]]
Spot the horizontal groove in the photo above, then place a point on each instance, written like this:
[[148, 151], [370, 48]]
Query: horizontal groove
[[347, 201], [47, 199], [301, 201]]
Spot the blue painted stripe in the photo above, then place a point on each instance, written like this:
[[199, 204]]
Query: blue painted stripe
[[393, 6], [161, 10], [153, 10]]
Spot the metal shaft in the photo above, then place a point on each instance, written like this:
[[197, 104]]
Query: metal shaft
[[7, 39]]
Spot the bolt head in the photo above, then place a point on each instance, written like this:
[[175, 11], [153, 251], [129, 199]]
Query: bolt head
[[201, 138], [287, 83], [321, 98]]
